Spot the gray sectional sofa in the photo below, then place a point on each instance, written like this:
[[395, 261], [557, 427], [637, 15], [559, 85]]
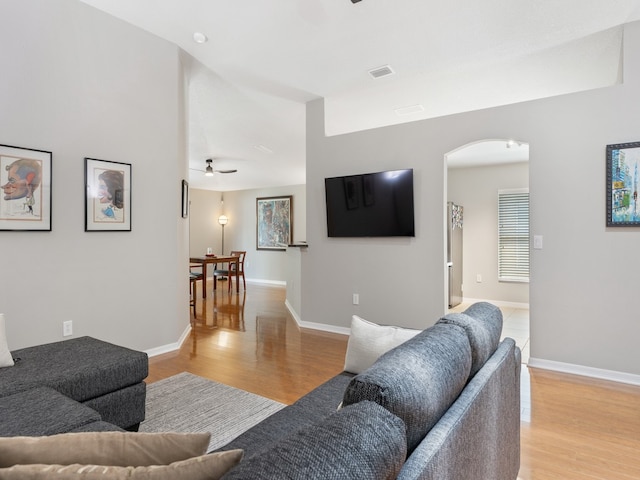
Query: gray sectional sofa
[[81, 384], [444, 405]]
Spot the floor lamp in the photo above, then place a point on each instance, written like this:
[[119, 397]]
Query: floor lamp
[[223, 220]]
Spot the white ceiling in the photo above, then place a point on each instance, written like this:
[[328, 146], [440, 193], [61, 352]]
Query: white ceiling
[[265, 59]]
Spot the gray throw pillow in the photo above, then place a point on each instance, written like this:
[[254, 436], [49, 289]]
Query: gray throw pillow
[[363, 441], [418, 380]]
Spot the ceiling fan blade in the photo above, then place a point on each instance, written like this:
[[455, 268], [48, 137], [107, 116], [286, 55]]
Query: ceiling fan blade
[[196, 169], [226, 171]]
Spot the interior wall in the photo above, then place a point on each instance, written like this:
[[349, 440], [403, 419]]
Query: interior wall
[[204, 230], [583, 280], [476, 189], [80, 83], [268, 266]]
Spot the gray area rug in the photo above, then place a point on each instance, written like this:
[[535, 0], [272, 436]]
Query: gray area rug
[[189, 403]]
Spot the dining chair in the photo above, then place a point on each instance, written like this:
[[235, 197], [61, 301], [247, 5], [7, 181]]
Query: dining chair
[[193, 279], [231, 273]]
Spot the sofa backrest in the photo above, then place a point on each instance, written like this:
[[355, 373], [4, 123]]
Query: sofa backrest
[[418, 380], [482, 322], [479, 435]]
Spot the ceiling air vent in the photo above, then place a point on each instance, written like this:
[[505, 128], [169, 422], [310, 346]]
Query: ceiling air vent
[[380, 72]]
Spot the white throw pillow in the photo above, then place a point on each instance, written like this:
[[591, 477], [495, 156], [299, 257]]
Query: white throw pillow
[[368, 341], [6, 360]]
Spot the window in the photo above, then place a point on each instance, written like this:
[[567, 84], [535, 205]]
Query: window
[[513, 235]]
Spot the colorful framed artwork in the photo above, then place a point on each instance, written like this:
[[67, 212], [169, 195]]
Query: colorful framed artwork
[[274, 223], [185, 199], [623, 185], [25, 181], [107, 196]]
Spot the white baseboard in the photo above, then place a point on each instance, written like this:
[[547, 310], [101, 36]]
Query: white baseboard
[[293, 313], [267, 282], [599, 373], [316, 326], [497, 303], [172, 347], [260, 281]]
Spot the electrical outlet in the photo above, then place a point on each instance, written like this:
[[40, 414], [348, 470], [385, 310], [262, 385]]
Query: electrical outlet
[[67, 328], [356, 299]]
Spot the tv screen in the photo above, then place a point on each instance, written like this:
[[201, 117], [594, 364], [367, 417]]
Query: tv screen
[[371, 205]]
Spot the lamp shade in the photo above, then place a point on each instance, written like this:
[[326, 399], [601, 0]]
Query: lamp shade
[[223, 220]]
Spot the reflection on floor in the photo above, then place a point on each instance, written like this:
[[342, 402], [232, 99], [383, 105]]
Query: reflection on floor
[[573, 428], [249, 340], [515, 325]]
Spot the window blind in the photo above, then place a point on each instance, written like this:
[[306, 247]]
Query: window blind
[[513, 235]]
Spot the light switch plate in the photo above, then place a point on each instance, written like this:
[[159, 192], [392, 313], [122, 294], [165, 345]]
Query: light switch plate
[[537, 242]]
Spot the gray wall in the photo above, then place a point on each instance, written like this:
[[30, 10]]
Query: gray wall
[[583, 283], [240, 233], [80, 83], [476, 189]]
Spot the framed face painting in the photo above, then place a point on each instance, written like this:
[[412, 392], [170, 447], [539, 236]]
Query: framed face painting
[[25, 181], [107, 196]]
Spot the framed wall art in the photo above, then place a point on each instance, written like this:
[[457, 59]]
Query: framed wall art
[[623, 185], [25, 184], [107, 196], [274, 223], [185, 199]]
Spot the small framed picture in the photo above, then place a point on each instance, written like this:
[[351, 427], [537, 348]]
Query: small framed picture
[[107, 196], [185, 199], [623, 185], [25, 181]]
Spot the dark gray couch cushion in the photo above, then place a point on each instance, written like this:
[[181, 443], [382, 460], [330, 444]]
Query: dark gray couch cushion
[[100, 426], [124, 407], [312, 408], [418, 380], [42, 411], [482, 322], [363, 441], [81, 368]]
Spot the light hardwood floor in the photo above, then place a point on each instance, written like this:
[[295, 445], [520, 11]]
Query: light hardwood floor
[[572, 427]]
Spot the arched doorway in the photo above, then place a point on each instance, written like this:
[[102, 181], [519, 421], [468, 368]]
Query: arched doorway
[[478, 176]]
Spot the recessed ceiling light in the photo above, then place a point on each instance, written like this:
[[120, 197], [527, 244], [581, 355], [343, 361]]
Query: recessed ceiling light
[[409, 110], [200, 37], [262, 148]]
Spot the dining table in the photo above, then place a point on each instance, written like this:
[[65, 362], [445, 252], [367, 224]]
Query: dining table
[[206, 260]]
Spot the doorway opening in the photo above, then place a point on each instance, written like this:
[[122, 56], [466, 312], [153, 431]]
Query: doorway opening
[[474, 175]]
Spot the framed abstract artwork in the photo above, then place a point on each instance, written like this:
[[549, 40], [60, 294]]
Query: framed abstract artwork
[[274, 223], [107, 204], [25, 181], [623, 185]]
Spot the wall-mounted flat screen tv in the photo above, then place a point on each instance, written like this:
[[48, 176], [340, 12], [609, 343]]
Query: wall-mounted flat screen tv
[[371, 205]]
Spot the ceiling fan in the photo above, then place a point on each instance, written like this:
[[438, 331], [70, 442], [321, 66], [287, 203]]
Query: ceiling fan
[[209, 170]]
